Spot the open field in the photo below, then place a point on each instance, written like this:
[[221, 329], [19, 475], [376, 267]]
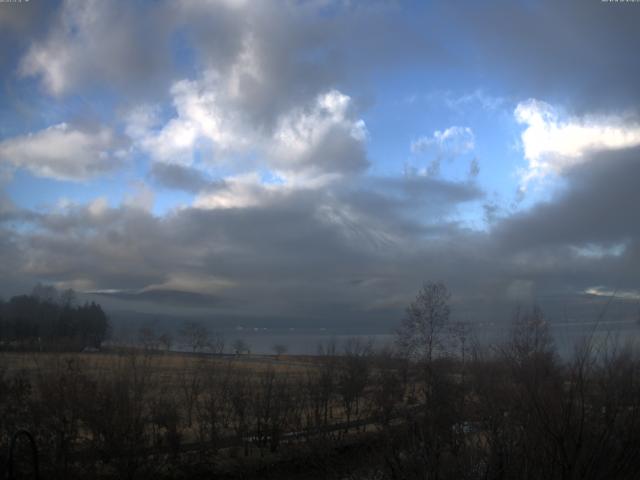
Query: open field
[[167, 363], [104, 406]]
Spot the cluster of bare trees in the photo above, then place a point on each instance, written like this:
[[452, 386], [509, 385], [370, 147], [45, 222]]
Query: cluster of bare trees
[[429, 409], [193, 336], [513, 410]]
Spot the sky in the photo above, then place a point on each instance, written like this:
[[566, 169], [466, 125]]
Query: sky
[[313, 163]]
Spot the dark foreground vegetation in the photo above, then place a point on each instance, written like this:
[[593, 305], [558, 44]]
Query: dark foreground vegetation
[[433, 408]]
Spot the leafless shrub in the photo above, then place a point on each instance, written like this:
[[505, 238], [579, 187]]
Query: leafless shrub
[[353, 375], [213, 408], [117, 414], [191, 384]]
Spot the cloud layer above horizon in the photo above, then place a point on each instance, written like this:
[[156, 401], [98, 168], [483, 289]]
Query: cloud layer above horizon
[[318, 161]]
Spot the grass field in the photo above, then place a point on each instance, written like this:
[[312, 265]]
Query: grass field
[[172, 363]]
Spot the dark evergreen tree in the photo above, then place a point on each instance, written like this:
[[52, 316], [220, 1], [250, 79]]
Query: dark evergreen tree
[[45, 318]]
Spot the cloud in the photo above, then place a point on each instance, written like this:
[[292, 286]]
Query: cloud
[[444, 145], [478, 97], [452, 141], [141, 197], [326, 138], [599, 291], [595, 207], [95, 42], [549, 50], [552, 144], [275, 59], [164, 297], [282, 56], [258, 112], [584, 235], [347, 253], [201, 116], [474, 169], [239, 191], [415, 193], [64, 152], [272, 57], [271, 250], [178, 177], [19, 18], [321, 137], [188, 282], [460, 103]]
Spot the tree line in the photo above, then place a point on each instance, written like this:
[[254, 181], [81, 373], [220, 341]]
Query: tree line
[[48, 319]]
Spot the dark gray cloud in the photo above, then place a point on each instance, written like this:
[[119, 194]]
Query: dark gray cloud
[[346, 254], [580, 52], [278, 56], [174, 298], [178, 177], [587, 235], [597, 206], [302, 254], [354, 251], [92, 43], [282, 56], [336, 152], [19, 25]]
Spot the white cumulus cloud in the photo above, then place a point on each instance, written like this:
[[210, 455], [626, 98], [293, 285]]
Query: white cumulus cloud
[[239, 191], [323, 136], [552, 144], [201, 116], [63, 152]]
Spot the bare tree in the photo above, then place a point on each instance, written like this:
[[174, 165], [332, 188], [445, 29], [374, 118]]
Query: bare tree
[[68, 298], [213, 408], [117, 415], [325, 380], [195, 335], [45, 293], [272, 409], [354, 375], [420, 333], [166, 340], [217, 343], [279, 349], [148, 338], [531, 347], [387, 394], [462, 336], [191, 388], [240, 346], [240, 407]]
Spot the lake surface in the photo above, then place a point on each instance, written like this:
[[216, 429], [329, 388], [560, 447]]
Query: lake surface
[[566, 335]]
